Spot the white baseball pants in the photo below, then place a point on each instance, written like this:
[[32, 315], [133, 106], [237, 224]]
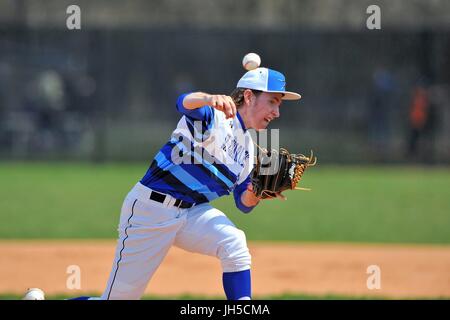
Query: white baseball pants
[[148, 229]]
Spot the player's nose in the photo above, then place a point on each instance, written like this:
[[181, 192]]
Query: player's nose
[[276, 112]]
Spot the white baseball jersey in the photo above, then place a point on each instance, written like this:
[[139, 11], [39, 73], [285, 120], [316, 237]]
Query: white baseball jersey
[[207, 156]]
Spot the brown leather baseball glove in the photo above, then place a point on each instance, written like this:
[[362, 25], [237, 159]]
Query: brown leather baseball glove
[[275, 172]]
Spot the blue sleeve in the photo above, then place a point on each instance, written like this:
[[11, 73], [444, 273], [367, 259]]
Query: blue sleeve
[[238, 191], [205, 113]]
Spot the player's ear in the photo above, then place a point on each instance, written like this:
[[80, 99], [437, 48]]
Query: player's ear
[[248, 96]]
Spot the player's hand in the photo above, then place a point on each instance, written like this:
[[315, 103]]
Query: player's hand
[[248, 198], [223, 103]]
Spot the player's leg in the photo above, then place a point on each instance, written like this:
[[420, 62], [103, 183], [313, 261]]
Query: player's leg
[[146, 232], [208, 231]]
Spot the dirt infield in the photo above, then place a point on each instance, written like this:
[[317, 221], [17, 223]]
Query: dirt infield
[[406, 271]]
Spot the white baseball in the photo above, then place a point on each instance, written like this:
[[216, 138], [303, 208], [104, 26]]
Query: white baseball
[[34, 294], [251, 61]]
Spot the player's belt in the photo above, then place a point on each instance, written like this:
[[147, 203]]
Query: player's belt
[[160, 197]]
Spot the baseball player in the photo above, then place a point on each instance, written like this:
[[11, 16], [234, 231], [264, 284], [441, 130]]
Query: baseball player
[[210, 154]]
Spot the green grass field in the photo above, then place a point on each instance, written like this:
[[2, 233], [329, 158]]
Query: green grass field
[[346, 204]]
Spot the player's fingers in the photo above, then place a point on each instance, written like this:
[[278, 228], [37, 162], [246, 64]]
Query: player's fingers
[[232, 105], [227, 109], [216, 103], [230, 102], [225, 104]]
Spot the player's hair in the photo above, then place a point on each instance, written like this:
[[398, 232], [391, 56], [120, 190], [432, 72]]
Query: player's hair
[[238, 95]]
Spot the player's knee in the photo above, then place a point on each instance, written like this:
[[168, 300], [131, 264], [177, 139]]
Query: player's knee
[[233, 252]]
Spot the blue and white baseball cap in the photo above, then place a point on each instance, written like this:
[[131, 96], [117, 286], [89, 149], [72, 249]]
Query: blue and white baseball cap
[[267, 80]]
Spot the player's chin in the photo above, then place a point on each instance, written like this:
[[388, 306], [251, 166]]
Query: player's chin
[[263, 125]]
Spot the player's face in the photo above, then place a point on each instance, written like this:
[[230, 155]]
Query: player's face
[[265, 108]]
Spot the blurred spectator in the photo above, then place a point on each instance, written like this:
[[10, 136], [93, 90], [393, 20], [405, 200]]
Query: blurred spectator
[[46, 100], [379, 108], [422, 124]]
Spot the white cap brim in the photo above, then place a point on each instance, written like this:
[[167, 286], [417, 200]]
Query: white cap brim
[[288, 95]]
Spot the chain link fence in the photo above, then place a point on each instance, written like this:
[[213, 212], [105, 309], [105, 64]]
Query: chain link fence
[[108, 94]]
